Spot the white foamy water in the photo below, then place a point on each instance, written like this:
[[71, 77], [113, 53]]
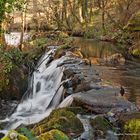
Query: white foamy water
[[45, 93], [67, 101], [14, 38]]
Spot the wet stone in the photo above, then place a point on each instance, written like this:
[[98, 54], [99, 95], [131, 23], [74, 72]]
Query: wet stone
[[2, 135], [102, 100], [67, 84], [68, 73], [69, 91], [38, 87]]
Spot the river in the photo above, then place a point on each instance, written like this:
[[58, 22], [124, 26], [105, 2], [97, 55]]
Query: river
[[127, 75], [45, 91]]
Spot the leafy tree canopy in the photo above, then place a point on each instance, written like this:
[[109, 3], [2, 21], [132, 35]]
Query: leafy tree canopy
[[6, 6]]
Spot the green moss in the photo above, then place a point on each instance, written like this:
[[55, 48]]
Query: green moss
[[10, 58], [65, 46], [24, 131], [53, 135], [63, 35], [136, 52], [75, 110], [132, 127], [60, 119], [20, 137], [39, 42], [100, 123]]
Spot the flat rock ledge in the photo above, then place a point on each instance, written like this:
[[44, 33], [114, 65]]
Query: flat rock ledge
[[91, 92], [103, 100]]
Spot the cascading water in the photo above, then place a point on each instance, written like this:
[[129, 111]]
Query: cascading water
[[44, 92], [14, 38]]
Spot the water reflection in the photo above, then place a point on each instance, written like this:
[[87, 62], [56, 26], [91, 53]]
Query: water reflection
[[127, 75], [93, 48]]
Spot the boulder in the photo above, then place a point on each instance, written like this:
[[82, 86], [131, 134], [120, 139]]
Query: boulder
[[17, 85], [102, 100], [61, 119], [68, 73], [132, 128], [83, 86], [1, 135], [100, 126], [103, 128], [116, 58], [125, 118], [13, 135], [53, 135]]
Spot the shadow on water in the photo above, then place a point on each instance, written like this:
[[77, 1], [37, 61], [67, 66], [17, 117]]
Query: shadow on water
[[127, 75]]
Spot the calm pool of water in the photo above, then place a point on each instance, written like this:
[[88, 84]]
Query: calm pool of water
[[127, 75]]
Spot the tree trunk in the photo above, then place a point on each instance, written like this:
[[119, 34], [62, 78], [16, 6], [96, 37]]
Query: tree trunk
[[103, 17], [2, 34], [65, 14], [35, 9], [90, 14], [23, 18], [103, 20]]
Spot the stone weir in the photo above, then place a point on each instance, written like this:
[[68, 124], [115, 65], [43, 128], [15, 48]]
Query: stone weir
[[84, 87]]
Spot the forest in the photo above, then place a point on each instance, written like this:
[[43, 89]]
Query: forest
[[69, 69]]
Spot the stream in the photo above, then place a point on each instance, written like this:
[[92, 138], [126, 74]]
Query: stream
[[45, 91], [127, 75]]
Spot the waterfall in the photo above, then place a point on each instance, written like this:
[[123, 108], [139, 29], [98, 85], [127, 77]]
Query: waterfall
[[44, 92], [14, 38], [67, 101]]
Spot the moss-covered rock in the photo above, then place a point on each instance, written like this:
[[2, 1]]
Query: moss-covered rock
[[130, 123], [100, 123], [67, 44], [136, 52], [53, 135], [132, 127], [116, 58], [24, 131], [13, 135], [60, 119], [75, 110], [17, 85]]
